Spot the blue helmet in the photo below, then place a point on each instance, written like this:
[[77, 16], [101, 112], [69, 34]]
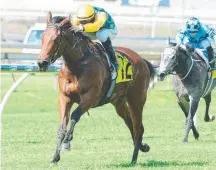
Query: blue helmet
[[193, 24]]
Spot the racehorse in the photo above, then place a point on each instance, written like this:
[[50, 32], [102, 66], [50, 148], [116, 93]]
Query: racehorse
[[192, 80], [85, 78]]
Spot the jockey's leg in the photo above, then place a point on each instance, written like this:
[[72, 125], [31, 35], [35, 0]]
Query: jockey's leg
[[109, 49], [206, 44], [105, 36], [210, 52]]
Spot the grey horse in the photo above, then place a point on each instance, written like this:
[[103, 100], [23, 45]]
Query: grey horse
[[192, 80]]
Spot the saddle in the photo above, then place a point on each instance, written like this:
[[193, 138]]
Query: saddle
[[202, 53], [100, 47], [113, 73]]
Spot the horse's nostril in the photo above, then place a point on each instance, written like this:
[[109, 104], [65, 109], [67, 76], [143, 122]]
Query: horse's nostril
[[42, 63], [45, 63], [162, 75]]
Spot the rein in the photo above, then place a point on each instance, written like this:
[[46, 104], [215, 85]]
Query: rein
[[191, 66], [60, 49]]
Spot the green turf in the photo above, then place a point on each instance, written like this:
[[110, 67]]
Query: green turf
[[101, 140]]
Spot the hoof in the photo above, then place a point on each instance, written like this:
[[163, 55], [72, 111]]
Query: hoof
[[212, 118], [65, 147], [196, 136], [55, 159], [185, 140], [144, 147], [133, 162]]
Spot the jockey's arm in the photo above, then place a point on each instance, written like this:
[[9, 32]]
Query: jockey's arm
[[74, 20], [210, 32], [100, 19]]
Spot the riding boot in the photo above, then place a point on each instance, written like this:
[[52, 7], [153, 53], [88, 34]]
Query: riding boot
[[210, 52], [111, 53]]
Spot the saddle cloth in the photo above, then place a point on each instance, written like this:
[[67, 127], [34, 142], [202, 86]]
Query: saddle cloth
[[123, 74]]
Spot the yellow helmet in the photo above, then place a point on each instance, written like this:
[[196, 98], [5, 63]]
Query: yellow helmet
[[85, 12]]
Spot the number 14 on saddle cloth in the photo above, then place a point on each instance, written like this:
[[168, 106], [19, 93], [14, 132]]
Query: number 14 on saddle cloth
[[125, 69]]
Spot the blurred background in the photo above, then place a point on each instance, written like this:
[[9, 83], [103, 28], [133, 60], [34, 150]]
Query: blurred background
[[144, 25]]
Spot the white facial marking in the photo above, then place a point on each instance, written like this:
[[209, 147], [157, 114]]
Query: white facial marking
[[169, 52]]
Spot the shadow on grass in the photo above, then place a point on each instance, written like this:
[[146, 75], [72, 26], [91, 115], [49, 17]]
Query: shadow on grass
[[28, 142], [152, 163]]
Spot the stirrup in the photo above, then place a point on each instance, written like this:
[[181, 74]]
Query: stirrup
[[113, 72], [113, 75], [112, 67]]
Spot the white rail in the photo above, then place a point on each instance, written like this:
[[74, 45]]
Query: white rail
[[13, 87]]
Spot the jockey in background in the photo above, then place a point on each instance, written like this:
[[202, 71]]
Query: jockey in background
[[197, 35], [97, 24]]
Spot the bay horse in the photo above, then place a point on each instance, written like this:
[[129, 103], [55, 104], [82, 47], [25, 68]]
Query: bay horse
[[191, 81], [84, 78]]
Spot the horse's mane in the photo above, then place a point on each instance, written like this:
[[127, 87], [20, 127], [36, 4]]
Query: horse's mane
[[187, 52], [58, 19]]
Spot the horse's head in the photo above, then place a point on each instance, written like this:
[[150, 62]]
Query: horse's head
[[169, 59], [53, 45]]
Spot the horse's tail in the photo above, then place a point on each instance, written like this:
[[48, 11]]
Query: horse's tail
[[153, 73]]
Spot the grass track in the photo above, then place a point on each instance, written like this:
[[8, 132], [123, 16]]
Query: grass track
[[101, 140]]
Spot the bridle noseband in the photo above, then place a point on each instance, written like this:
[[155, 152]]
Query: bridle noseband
[[60, 48]]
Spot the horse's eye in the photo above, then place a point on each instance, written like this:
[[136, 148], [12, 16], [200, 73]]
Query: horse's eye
[[57, 38], [171, 56]]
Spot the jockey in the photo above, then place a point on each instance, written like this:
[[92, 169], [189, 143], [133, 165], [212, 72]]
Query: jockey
[[97, 24], [197, 35]]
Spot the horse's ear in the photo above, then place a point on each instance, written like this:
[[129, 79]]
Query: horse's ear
[[171, 44], [182, 47], [70, 17], [63, 22], [49, 17]]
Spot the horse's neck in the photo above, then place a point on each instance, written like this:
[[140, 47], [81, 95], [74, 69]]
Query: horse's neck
[[184, 64], [76, 53]]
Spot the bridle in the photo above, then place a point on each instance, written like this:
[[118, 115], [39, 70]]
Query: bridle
[[176, 64], [62, 43]]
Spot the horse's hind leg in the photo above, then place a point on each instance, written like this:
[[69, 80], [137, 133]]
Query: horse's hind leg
[[65, 104], [208, 118], [123, 111], [183, 102], [136, 100]]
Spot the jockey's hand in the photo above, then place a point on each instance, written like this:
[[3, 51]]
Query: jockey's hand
[[78, 28]]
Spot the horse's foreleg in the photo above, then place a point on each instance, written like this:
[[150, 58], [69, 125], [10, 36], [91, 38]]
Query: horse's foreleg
[[208, 118], [184, 105], [86, 102], [189, 122], [75, 116], [65, 104]]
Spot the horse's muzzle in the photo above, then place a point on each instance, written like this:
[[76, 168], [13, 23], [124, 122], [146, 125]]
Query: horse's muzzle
[[43, 65], [161, 76]]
